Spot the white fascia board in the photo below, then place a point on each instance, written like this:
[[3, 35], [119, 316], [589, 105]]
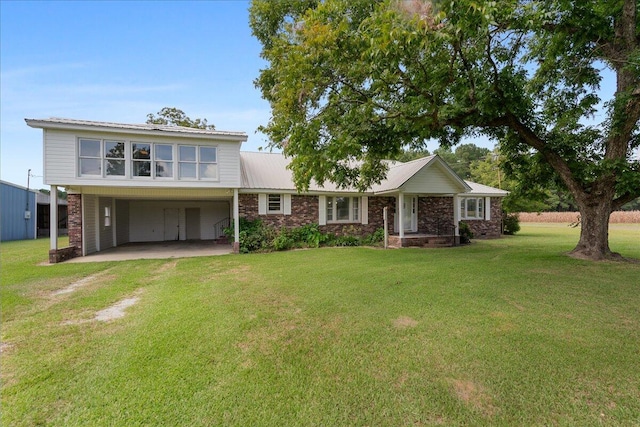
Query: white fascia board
[[220, 136]]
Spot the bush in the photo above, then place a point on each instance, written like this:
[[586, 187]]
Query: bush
[[465, 233], [374, 238], [511, 223]]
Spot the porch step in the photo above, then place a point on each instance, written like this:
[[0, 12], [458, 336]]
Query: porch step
[[222, 240]]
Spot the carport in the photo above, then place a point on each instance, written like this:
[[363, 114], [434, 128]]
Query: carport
[[158, 250]]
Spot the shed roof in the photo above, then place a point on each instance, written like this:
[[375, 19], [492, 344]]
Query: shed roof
[[61, 123], [485, 190]]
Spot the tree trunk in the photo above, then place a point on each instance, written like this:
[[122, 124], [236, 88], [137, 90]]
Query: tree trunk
[[594, 229]]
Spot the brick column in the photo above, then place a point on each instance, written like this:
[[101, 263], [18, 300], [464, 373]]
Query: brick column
[[74, 212]]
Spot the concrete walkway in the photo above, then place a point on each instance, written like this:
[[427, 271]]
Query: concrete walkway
[[157, 250]]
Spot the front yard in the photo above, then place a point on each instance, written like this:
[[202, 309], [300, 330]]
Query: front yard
[[500, 332]]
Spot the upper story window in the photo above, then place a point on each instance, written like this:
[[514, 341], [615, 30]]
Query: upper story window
[[343, 209], [472, 208], [110, 158], [198, 162], [98, 157]]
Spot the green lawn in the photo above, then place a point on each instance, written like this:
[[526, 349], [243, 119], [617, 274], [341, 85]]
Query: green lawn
[[500, 332]]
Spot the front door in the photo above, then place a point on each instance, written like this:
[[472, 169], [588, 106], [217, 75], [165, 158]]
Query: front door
[[172, 224], [410, 210]]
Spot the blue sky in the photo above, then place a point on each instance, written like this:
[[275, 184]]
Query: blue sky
[[119, 61]]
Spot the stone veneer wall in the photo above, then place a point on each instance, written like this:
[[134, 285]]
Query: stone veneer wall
[[304, 210], [483, 229], [435, 215]]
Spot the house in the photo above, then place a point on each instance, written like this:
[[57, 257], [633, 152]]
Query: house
[[17, 212], [150, 183]]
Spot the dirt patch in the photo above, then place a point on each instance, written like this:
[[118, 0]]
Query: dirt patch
[[117, 310], [473, 394], [404, 322], [85, 281], [5, 347], [171, 265]]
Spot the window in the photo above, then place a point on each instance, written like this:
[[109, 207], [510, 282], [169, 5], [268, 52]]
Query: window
[[208, 163], [197, 162], [343, 209], [107, 216], [163, 160], [98, 157], [141, 155], [188, 162], [274, 203], [90, 157], [114, 158], [472, 208]]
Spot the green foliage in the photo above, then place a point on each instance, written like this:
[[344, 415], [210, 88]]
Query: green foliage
[[465, 232], [511, 223], [351, 83], [176, 117], [257, 237]]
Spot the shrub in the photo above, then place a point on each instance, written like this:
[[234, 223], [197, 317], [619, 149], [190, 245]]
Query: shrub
[[373, 238], [465, 233], [511, 223], [283, 241]]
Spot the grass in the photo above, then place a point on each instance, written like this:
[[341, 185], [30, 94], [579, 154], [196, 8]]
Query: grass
[[500, 332]]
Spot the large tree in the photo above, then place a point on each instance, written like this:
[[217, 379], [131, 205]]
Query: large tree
[[352, 82], [176, 117]]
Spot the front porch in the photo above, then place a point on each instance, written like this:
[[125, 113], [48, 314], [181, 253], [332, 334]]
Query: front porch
[[422, 240]]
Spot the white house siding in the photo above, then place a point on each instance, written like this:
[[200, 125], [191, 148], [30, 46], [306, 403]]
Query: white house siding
[[61, 161], [106, 232], [122, 222], [431, 180], [147, 218], [89, 210], [60, 157]]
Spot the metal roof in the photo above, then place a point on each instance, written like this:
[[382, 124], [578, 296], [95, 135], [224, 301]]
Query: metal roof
[[61, 123], [268, 171], [485, 190]]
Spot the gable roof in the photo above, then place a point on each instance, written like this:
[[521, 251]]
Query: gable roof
[[138, 128], [268, 171]]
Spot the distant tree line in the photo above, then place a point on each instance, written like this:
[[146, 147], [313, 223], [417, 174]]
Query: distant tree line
[[488, 167]]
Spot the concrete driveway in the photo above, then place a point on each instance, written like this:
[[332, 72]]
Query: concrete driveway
[[158, 250]]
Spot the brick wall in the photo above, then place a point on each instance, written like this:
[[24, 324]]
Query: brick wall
[[483, 229], [74, 222], [304, 210], [435, 215]]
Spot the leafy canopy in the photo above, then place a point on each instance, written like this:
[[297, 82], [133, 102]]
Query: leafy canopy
[[352, 82], [175, 117]]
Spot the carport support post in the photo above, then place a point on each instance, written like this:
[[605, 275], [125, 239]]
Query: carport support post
[[53, 218], [236, 222]]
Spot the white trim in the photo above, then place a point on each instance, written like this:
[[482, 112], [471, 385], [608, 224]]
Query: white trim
[[364, 210], [262, 204], [287, 204], [456, 215], [53, 218], [400, 214], [322, 210], [487, 208], [236, 216]]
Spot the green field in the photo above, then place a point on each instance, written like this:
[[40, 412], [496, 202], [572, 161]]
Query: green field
[[500, 332]]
